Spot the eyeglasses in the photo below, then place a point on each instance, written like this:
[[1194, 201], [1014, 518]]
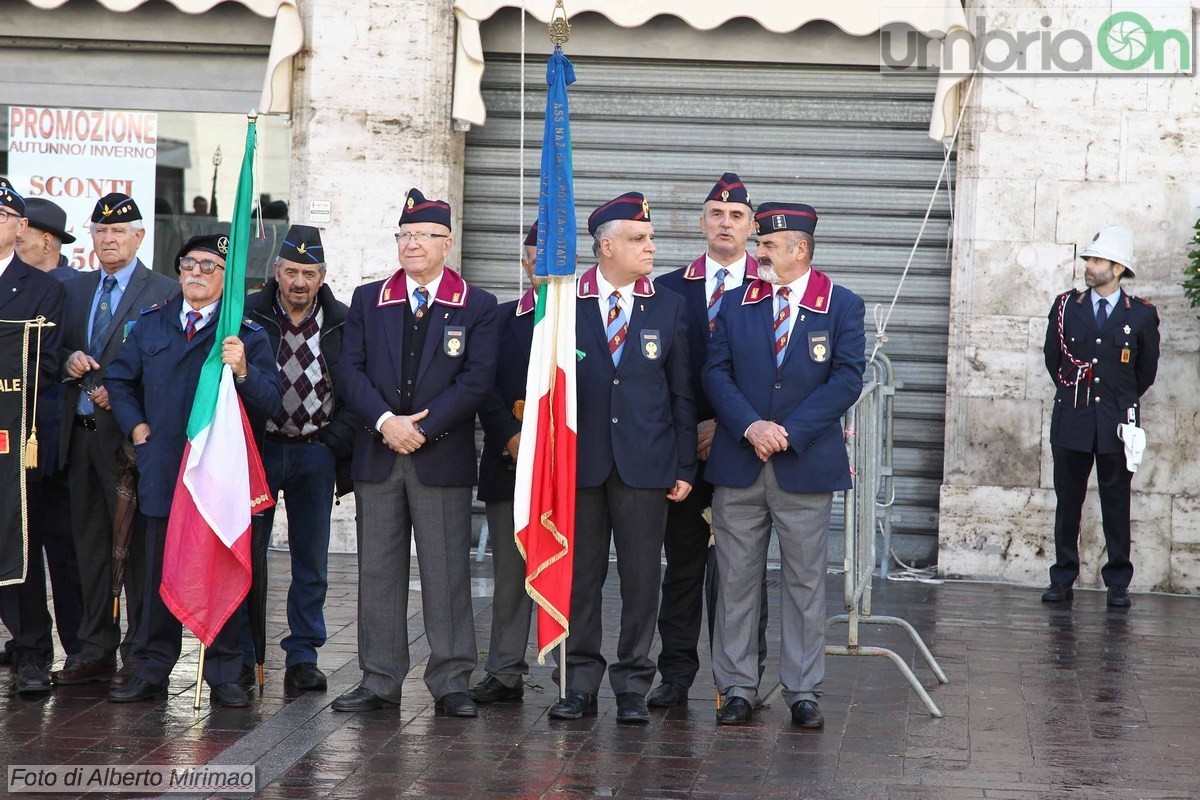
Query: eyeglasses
[[5, 216], [420, 237], [206, 266]]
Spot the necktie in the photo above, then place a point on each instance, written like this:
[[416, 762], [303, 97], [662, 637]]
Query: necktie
[[190, 329], [1102, 313], [422, 297], [102, 320], [616, 327], [714, 302], [782, 312]]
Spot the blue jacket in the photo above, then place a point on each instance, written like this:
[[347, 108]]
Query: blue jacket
[[153, 380], [497, 471], [453, 388], [1119, 362], [688, 283], [639, 415], [808, 396]]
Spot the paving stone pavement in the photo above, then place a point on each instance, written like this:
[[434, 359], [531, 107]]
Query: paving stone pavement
[[1074, 702]]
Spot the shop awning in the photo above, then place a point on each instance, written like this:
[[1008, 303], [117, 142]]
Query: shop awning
[[287, 40], [856, 17]]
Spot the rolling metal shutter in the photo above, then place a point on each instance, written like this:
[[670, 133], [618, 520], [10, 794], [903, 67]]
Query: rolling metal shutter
[[847, 140]]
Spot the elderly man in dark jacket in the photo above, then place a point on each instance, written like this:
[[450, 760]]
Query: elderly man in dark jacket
[[308, 445]]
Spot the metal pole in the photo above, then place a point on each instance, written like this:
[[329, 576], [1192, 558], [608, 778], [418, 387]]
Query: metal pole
[[199, 678]]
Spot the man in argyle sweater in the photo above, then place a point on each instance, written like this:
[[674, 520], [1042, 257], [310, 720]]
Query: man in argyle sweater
[[308, 446]]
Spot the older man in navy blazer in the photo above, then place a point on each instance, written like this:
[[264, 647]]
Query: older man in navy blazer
[[785, 363], [418, 362], [726, 223], [637, 453]]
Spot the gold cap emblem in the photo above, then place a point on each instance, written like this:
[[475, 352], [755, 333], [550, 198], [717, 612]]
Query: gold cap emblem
[[646, 208], [300, 248], [725, 195], [411, 203]]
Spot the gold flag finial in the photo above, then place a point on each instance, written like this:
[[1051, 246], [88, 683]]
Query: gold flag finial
[[560, 27]]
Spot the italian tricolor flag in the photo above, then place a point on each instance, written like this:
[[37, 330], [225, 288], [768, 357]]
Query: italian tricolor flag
[[544, 502], [206, 564]]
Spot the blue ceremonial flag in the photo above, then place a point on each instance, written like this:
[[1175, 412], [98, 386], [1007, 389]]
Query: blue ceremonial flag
[[556, 195]]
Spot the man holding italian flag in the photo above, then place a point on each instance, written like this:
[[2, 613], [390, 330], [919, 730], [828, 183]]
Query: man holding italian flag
[[196, 353]]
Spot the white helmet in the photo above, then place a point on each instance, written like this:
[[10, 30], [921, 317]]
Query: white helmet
[[1115, 244]]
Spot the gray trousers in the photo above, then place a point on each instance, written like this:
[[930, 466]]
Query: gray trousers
[[742, 521], [511, 604], [390, 513]]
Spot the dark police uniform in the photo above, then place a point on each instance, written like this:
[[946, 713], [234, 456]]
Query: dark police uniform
[[153, 380], [1100, 375]]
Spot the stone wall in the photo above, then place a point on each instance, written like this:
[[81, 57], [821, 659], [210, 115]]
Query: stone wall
[[371, 118], [1043, 163]]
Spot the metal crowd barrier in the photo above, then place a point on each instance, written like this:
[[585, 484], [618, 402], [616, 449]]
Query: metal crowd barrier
[[869, 439]]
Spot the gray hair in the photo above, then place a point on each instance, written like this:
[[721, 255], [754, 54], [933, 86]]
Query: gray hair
[[279, 260], [795, 237], [606, 230], [135, 225]]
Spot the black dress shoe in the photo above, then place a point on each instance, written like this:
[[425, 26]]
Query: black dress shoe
[[31, 679], [806, 714], [229, 695], [667, 695], [735, 711], [1058, 593], [492, 690], [456, 704], [361, 699], [84, 672], [631, 709], [1118, 597], [575, 705], [304, 678], [126, 673], [137, 690]]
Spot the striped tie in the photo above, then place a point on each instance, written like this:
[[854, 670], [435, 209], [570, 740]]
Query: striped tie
[[104, 317], [190, 329], [714, 302], [782, 312], [616, 327], [422, 297]]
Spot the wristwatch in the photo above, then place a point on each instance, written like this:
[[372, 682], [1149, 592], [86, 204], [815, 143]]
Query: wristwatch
[[240, 378]]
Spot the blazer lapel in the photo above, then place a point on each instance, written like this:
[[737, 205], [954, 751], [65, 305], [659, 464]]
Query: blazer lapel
[[637, 320], [393, 329], [588, 310], [1118, 315], [132, 291], [433, 336], [12, 281]]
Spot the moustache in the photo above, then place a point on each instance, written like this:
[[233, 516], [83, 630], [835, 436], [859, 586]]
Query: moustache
[[195, 282]]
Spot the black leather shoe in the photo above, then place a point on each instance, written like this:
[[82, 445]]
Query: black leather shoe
[[304, 678], [667, 695], [137, 690], [228, 695], [456, 704], [361, 699], [492, 690], [1058, 593], [806, 714], [1118, 597], [247, 677], [735, 711], [575, 705], [631, 709], [31, 679], [126, 673], [85, 672]]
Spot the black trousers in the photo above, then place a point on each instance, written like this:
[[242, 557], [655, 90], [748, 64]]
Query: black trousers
[[23, 605], [1071, 471], [634, 519], [163, 634], [689, 567]]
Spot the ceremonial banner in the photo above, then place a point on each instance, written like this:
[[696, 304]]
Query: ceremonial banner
[[16, 413], [206, 562], [73, 157], [544, 503]]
